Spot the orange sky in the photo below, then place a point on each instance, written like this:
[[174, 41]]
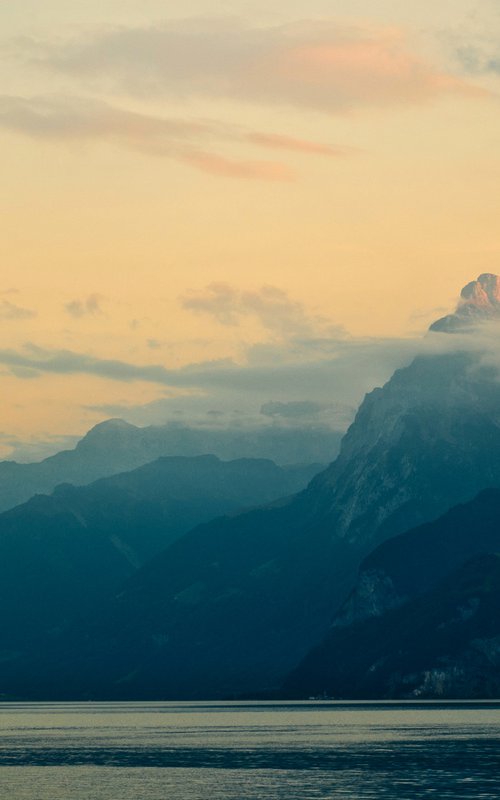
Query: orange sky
[[241, 181]]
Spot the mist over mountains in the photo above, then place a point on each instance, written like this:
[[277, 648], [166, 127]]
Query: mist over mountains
[[365, 578], [116, 446]]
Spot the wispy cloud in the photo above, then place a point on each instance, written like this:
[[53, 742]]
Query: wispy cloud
[[306, 371], [322, 64], [10, 311], [36, 447], [84, 120], [280, 142], [306, 411], [233, 168], [89, 307], [36, 360], [292, 382]]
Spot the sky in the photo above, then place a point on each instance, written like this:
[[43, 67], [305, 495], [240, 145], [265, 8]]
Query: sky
[[211, 207]]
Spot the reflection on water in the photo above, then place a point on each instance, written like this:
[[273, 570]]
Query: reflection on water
[[250, 751]]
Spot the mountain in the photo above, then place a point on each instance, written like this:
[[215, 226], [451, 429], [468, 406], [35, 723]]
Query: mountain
[[62, 555], [116, 446], [479, 302], [414, 562], [235, 604], [239, 600], [445, 643], [389, 639], [425, 441]]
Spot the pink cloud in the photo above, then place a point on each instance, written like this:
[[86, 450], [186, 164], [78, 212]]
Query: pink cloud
[[324, 64], [281, 142], [372, 71], [235, 168]]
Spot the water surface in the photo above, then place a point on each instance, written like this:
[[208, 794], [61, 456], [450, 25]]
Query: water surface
[[249, 751]]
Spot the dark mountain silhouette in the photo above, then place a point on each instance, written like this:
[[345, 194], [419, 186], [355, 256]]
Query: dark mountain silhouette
[[445, 643], [62, 555]]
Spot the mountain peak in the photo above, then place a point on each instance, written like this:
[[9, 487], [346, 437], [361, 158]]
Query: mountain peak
[[479, 301], [104, 432]]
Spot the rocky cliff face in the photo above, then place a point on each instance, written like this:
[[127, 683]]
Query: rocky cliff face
[[408, 565], [479, 301], [429, 439]]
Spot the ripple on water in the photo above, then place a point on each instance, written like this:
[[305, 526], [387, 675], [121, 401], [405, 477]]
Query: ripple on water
[[249, 751]]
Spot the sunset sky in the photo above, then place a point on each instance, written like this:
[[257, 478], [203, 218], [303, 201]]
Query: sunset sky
[[208, 206]]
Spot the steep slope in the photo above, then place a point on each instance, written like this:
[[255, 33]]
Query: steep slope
[[429, 439], [445, 643], [116, 446], [62, 555], [414, 562], [385, 617]]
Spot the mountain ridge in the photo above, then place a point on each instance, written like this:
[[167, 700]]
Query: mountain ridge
[[115, 446]]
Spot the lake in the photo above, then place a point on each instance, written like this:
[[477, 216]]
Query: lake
[[249, 751]]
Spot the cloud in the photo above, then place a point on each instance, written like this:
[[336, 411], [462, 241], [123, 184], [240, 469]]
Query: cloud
[[40, 360], [311, 389], [335, 415], [276, 312], [84, 120], [480, 60], [323, 64], [280, 142], [291, 384], [9, 311], [305, 373], [35, 448], [89, 307], [77, 118], [285, 373], [297, 408], [231, 168]]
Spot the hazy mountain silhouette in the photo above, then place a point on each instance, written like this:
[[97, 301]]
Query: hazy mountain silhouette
[[115, 446]]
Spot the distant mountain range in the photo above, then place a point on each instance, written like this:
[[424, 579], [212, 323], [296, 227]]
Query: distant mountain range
[[116, 446], [231, 607]]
